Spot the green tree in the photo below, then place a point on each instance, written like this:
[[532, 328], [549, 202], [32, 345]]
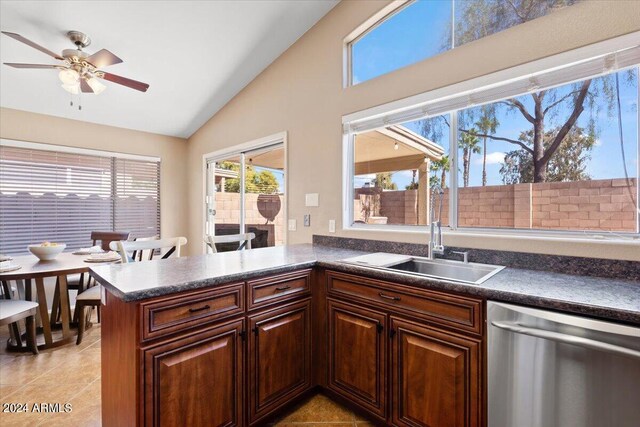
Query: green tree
[[414, 184], [476, 19], [441, 166], [568, 164], [558, 109], [263, 182], [469, 143], [486, 124], [384, 180]]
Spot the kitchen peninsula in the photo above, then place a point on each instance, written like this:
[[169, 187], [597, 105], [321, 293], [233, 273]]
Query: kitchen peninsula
[[237, 337]]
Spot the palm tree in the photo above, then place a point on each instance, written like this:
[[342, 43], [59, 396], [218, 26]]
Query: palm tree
[[469, 143], [443, 165], [487, 126]]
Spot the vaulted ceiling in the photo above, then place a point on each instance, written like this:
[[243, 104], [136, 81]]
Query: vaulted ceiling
[[196, 55]]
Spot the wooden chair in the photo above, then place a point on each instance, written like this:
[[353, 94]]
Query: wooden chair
[[171, 245], [144, 255], [244, 241], [92, 296], [105, 238], [77, 281], [12, 310]]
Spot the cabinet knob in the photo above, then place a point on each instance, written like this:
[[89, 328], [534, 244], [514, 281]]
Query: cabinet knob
[[380, 327]]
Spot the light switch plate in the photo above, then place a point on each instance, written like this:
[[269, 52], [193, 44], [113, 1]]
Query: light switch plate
[[292, 225], [307, 220], [311, 199], [332, 226]]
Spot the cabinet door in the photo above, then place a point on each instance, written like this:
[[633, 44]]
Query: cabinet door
[[435, 377], [357, 350], [197, 380], [279, 357]]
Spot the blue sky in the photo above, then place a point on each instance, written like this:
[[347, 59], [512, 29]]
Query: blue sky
[[417, 32]]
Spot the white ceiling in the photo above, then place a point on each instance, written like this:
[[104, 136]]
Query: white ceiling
[[196, 55]]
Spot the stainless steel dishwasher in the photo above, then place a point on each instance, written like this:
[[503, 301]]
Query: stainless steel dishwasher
[[548, 369]]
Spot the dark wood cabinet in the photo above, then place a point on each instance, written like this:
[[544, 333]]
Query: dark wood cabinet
[[357, 355], [279, 357], [236, 354], [431, 342], [196, 380], [435, 377]]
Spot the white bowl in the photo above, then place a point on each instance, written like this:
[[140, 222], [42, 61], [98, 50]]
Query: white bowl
[[46, 253]]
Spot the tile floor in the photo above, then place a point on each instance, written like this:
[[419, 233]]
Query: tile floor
[[67, 374], [71, 374]]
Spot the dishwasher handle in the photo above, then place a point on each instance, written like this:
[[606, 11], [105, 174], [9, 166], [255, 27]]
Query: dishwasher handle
[[566, 339]]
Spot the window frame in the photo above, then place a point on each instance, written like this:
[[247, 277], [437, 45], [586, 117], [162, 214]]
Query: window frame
[[239, 149], [362, 30], [389, 114]]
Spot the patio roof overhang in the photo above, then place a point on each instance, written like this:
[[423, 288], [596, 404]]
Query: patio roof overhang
[[375, 151]]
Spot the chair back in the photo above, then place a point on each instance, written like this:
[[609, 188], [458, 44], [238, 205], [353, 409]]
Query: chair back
[[173, 245], [144, 255], [106, 237], [244, 241]]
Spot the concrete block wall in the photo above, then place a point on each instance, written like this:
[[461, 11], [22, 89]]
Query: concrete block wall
[[259, 210], [605, 205]]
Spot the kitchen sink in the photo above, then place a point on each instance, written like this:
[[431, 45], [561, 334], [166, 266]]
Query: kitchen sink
[[457, 271]]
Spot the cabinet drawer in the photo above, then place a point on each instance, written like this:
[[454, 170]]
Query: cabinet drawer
[[173, 314], [278, 288], [452, 311]]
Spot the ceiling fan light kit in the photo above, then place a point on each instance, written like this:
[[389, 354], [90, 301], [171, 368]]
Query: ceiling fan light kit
[[79, 71]]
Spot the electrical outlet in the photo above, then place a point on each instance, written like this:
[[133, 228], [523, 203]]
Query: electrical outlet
[[332, 226], [307, 220], [292, 225]]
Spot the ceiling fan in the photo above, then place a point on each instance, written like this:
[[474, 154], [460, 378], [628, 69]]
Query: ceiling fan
[[79, 71]]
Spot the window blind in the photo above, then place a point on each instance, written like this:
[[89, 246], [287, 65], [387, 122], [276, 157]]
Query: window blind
[[63, 196], [558, 76], [137, 197]]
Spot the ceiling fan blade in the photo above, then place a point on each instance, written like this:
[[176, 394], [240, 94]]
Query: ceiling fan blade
[[32, 44], [103, 58], [14, 65], [84, 86], [133, 84]]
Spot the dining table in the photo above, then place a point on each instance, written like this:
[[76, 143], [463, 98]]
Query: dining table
[[33, 269]]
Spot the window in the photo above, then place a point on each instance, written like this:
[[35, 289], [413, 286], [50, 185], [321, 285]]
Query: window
[[422, 29], [562, 180], [62, 196], [393, 169], [553, 150]]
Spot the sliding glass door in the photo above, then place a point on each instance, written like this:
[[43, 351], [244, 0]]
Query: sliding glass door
[[246, 194]]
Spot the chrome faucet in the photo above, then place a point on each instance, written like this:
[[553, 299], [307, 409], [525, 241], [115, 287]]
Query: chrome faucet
[[435, 240]]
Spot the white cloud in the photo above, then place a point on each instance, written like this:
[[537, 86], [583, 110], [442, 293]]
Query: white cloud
[[597, 142], [492, 158]]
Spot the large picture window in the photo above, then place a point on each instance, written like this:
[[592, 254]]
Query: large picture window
[[424, 28], [552, 151], [62, 196]]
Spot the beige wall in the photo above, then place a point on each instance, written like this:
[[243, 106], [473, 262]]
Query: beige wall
[[25, 126], [302, 93]]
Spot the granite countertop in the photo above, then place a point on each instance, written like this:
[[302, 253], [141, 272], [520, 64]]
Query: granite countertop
[[612, 299]]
